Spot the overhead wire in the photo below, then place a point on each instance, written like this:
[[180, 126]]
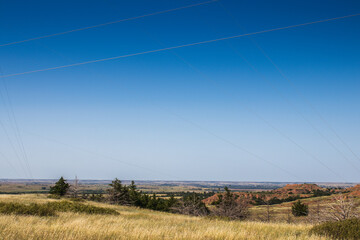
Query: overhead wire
[[91, 152], [285, 98], [201, 128], [21, 160], [9, 163], [178, 46], [204, 76], [254, 155], [14, 149], [107, 23], [175, 47], [14, 124]]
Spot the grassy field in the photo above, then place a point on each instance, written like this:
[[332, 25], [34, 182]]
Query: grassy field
[[133, 223]]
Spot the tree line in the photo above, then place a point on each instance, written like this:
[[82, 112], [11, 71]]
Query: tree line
[[228, 206]]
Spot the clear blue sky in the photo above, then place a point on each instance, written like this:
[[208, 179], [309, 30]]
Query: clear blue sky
[[188, 113]]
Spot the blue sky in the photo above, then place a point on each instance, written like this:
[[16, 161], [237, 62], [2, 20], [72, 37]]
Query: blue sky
[[192, 113]]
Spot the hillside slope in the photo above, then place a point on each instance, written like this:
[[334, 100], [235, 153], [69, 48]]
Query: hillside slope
[[301, 190]]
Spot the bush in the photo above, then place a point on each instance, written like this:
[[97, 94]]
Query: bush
[[26, 209], [66, 206], [346, 229], [60, 188], [191, 205], [299, 209], [231, 207], [49, 209]]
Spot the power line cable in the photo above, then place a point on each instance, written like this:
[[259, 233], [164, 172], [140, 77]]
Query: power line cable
[[13, 148], [9, 163], [258, 116], [17, 155], [254, 155], [91, 152], [108, 23], [209, 131], [194, 124], [94, 153], [296, 110], [179, 46], [15, 125], [288, 101]]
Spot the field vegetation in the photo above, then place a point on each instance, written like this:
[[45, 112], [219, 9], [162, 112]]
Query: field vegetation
[[125, 212], [346, 229], [136, 223]]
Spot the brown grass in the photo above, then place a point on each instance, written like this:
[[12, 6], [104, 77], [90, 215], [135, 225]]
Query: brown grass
[[133, 223]]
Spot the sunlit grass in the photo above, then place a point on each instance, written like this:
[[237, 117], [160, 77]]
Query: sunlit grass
[[133, 223]]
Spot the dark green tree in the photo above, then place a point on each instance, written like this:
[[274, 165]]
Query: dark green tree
[[171, 202], [299, 209], [131, 196], [135, 195], [119, 193], [60, 188]]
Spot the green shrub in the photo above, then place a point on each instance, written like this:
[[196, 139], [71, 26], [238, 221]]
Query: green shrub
[[60, 188], [26, 209], [49, 209], [66, 206], [299, 209], [346, 229]]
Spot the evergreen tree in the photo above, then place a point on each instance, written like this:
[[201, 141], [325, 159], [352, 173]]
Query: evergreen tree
[[129, 195], [60, 188], [119, 193], [135, 195], [299, 209], [171, 202], [153, 202]]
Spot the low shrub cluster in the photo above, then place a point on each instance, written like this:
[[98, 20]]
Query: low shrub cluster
[[66, 206], [50, 209], [260, 200], [26, 209], [346, 229]]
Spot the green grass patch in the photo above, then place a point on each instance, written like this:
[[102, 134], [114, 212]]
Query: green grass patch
[[66, 206], [26, 209], [346, 229], [50, 209]]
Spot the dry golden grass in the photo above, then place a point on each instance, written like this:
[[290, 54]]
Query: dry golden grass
[[133, 223]]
